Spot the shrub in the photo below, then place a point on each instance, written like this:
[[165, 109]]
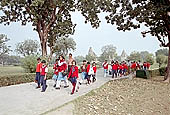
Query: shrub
[[141, 74], [29, 63], [14, 79], [154, 73], [162, 71]]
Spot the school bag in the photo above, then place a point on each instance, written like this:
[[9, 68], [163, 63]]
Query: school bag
[[91, 71]]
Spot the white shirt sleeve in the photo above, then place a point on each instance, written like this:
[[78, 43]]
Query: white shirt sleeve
[[46, 69]]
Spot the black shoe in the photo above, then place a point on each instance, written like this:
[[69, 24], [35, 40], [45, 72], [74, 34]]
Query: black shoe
[[42, 91], [54, 85], [37, 87], [71, 93], [66, 86], [57, 88], [79, 83]]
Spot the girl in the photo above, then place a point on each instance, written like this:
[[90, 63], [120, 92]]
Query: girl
[[89, 72], [62, 66], [83, 71], [56, 71], [105, 66], [43, 73], [73, 75]]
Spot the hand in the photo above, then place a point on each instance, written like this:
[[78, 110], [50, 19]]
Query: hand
[[45, 78]]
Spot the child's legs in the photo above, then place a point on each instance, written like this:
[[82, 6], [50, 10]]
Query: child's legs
[[59, 80], [43, 83], [65, 81], [38, 78], [74, 86], [105, 72]]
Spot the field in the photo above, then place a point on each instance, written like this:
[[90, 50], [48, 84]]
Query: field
[[127, 97]]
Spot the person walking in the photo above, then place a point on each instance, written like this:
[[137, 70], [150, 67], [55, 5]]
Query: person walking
[[43, 73], [38, 76], [105, 66], [83, 71], [69, 62]]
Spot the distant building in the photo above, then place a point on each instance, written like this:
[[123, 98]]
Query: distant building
[[123, 56], [92, 56]]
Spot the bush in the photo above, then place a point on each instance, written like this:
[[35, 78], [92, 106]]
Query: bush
[[29, 64], [162, 71], [142, 74], [154, 73], [14, 79]]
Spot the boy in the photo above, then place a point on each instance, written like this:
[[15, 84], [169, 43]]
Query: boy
[[43, 73], [89, 72], [37, 78], [114, 70], [73, 75]]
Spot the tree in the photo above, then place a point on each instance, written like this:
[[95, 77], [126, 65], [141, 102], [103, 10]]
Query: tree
[[147, 57], [154, 14], [134, 56], [79, 59], [27, 47], [162, 52], [108, 53], [161, 60], [4, 48], [51, 16], [91, 58], [63, 45]]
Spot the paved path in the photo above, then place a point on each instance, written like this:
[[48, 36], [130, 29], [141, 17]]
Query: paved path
[[24, 99]]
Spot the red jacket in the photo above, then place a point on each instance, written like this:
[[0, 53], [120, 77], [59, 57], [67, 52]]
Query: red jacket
[[83, 69], [88, 68], [148, 65], [105, 65], [95, 69], [62, 65], [114, 67], [43, 73], [73, 73], [133, 66], [125, 66], [120, 67], [56, 69]]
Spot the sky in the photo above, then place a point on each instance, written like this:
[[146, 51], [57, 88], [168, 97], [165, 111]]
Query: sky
[[85, 36]]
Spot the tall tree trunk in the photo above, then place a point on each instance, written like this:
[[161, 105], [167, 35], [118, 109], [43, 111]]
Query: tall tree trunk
[[44, 48], [167, 75]]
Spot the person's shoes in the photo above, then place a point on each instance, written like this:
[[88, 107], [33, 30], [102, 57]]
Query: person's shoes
[[37, 87], [72, 93], [35, 81], [79, 83], [57, 88], [66, 86], [42, 91], [54, 85]]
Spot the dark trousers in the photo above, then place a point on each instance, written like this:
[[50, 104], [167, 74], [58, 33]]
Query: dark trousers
[[88, 79], [74, 86], [43, 82], [69, 68], [114, 73], [38, 78], [94, 78]]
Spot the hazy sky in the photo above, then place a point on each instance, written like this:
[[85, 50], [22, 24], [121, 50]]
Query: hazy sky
[[86, 36]]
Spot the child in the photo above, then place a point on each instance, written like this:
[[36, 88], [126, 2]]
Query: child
[[89, 72], [56, 71], [83, 71], [94, 69], [73, 75], [43, 73], [105, 66], [114, 70], [37, 78]]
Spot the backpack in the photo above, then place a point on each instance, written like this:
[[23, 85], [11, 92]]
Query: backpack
[[91, 71]]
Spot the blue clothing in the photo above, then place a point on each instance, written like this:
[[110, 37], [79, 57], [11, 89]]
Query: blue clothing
[[38, 78], [43, 82]]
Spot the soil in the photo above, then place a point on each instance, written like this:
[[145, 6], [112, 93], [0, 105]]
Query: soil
[[126, 97]]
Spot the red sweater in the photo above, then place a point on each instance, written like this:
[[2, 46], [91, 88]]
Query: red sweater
[[95, 69], [43, 73], [56, 69], [133, 66], [105, 65], [114, 67], [62, 65], [88, 68], [125, 66], [73, 73]]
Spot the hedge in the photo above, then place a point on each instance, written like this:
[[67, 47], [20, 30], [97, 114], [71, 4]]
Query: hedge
[[150, 73], [14, 79]]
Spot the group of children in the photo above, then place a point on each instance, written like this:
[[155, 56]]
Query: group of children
[[64, 71], [123, 68]]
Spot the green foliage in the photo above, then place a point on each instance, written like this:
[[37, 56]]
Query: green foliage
[[63, 45], [29, 63], [4, 48], [108, 53], [162, 52], [162, 71], [162, 60], [79, 59], [27, 47], [134, 56], [150, 59], [90, 58]]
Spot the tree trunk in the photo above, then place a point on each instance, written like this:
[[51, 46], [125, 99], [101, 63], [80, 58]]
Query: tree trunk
[[167, 75], [44, 48]]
